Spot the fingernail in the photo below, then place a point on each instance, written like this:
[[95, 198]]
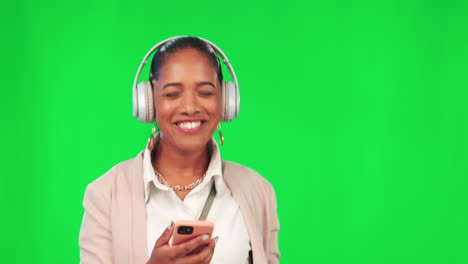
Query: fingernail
[[205, 237], [216, 240], [171, 225]]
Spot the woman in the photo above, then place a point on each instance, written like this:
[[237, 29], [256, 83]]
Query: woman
[[129, 210]]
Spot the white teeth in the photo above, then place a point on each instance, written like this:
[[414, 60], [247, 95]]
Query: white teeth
[[189, 124]]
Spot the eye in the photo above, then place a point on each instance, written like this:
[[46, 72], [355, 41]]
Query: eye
[[171, 95], [206, 93]]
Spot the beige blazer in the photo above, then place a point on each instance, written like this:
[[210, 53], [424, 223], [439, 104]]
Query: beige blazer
[[114, 223]]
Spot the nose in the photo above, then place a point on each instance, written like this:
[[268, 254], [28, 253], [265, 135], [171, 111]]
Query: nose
[[190, 104]]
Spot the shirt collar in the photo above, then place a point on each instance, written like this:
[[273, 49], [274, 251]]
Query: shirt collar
[[214, 172]]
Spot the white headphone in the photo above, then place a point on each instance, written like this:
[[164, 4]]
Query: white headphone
[[143, 107]]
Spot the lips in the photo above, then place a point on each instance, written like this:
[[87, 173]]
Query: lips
[[190, 126]]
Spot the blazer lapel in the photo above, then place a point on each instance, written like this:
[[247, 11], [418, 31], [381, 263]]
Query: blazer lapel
[[238, 192], [138, 223]]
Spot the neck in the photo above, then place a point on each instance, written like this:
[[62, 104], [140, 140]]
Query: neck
[[179, 167]]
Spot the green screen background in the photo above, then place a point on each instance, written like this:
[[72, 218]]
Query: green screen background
[[356, 112]]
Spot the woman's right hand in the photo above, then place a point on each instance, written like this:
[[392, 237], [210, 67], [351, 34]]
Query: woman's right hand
[[183, 253]]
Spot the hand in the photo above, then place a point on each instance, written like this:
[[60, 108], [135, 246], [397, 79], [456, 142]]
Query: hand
[[196, 251]]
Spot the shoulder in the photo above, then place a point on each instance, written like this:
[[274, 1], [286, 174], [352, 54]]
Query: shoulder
[[120, 174], [246, 178]]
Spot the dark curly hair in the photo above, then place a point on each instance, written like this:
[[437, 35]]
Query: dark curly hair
[[182, 43]]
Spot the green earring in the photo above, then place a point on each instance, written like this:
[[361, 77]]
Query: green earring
[[152, 139], [221, 138]]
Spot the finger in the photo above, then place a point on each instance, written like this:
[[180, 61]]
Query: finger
[[208, 254], [189, 246], [165, 236], [204, 256]]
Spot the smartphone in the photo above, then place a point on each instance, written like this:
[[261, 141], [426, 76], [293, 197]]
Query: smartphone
[[187, 230]]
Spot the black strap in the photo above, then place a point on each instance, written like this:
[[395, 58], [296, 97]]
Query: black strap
[[207, 207]]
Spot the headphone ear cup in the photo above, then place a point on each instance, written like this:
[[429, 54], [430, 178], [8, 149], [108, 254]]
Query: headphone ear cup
[[143, 103], [230, 102]]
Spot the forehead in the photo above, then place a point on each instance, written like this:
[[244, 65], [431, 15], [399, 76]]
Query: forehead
[[186, 61]]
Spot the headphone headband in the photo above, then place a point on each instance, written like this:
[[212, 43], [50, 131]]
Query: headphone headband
[[161, 43]]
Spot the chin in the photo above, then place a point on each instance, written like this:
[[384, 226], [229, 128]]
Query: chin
[[191, 144]]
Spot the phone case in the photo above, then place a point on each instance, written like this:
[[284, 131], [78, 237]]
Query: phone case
[[180, 234]]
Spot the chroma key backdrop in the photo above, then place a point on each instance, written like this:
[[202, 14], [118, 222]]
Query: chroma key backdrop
[[355, 111]]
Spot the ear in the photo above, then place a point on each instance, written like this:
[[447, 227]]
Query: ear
[[143, 102], [230, 101]]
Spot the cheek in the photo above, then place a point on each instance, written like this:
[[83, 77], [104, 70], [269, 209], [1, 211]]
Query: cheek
[[162, 108], [214, 106]]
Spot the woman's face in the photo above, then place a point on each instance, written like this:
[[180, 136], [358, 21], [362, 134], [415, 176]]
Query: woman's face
[[187, 100]]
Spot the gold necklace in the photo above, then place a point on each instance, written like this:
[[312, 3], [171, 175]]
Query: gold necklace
[[177, 188]]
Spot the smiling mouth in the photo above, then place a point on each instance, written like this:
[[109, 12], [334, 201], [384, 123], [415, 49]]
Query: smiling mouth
[[189, 125]]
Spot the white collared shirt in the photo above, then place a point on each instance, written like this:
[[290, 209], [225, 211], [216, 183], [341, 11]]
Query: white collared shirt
[[164, 206]]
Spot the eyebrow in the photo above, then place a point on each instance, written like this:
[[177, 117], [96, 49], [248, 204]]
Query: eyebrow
[[206, 83], [178, 84]]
